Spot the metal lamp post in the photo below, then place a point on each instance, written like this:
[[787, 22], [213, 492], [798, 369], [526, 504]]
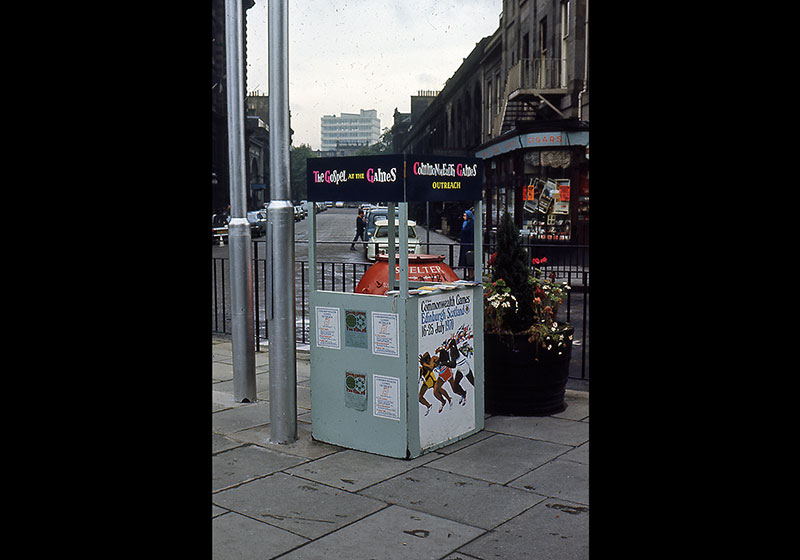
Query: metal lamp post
[[242, 333], [280, 237]]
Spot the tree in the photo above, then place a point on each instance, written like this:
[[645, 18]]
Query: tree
[[510, 263], [297, 170], [382, 146]]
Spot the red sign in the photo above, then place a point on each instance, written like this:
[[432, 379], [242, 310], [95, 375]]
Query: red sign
[[528, 193], [563, 190]]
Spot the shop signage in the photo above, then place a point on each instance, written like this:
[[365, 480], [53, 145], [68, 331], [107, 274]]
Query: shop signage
[[535, 140]]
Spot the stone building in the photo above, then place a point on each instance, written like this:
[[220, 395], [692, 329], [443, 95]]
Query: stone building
[[256, 123], [519, 101]]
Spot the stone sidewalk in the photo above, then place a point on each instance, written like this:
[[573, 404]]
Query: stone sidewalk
[[519, 489]]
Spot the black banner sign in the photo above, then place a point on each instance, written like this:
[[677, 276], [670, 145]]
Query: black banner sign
[[438, 178], [395, 178], [355, 178]]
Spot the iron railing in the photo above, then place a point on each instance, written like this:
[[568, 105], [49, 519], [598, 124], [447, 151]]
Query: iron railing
[[568, 263]]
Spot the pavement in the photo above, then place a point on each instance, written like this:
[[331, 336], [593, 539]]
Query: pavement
[[519, 489]]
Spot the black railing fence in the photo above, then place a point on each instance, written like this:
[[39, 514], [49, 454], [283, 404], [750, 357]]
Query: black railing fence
[[569, 263]]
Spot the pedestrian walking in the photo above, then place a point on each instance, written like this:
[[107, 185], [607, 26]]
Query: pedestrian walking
[[360, 225], [467, 240]]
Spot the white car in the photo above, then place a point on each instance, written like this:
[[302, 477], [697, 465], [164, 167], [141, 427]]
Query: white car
[[381, 239]]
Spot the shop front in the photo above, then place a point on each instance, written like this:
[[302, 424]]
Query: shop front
[[539, 173]]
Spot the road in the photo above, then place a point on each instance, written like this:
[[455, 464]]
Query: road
[[336, 228]]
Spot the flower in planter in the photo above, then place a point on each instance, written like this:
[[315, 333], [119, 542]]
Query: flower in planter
[[521, 300]]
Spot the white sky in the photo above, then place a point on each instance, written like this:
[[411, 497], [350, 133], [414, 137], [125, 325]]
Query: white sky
[[347, 55]]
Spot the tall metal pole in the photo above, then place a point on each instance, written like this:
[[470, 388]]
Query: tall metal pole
[[280, 213], [242, 333]]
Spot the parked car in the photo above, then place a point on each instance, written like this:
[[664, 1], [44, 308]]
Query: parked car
[[376, 213], [339, 204], [219, 227], [298, 213], [381, 239], [258, 222]]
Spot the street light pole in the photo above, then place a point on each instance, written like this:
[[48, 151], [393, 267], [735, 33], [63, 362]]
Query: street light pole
[[239, 243], [280, 237]]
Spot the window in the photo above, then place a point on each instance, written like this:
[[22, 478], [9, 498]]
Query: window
[[383, 231], [497, 92], [543, 37]]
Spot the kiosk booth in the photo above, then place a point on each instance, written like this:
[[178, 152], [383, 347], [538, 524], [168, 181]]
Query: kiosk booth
[[401, 373]]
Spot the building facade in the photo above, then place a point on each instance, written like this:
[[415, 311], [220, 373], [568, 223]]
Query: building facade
[[350, 130], [520, 101], [256, 134]]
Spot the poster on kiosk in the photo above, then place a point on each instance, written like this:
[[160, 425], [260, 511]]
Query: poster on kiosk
[[446, 381]]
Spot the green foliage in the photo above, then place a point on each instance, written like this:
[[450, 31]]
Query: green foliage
[[511, 265], [297, 170], [518, 299], [382, 146]]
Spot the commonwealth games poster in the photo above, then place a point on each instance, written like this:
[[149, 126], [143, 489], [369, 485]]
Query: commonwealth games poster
[[446, 382]]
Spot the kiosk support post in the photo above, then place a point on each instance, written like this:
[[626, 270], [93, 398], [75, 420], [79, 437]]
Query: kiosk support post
[[477, 251], [391, 250], [242, 332], [282, 346], [403, 251]]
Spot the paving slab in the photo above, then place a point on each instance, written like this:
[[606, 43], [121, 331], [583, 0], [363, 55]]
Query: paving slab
[[395, 533], [232, 420], [462, 443], [577, 406], [262, 384], [301, 506], [221, 372], [221, 400], [450, 496], [221, 353], [353, 470], [544, 428], [236, 537], [302, 390], [552, 529], [245, 463], [499, 458], [460, 556], [222, 443], [579, 455], [565, 480], [216, 510], [305, 446]]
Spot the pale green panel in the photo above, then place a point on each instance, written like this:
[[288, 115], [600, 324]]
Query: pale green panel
[[333, 421], [355, 415]]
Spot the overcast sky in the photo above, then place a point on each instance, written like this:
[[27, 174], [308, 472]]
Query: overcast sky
[[347, 55]]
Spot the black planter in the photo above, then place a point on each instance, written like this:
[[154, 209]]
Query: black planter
[[519, 381]]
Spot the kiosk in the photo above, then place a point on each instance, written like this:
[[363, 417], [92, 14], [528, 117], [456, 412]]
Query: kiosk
[[398, 374]]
